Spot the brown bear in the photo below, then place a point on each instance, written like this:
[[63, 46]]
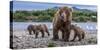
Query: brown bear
[[38, 28], [31, 28], [78, 32], [62, 21]]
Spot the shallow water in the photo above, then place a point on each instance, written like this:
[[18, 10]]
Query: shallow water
[[88, 26]]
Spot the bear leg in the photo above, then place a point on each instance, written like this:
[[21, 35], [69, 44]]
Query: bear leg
[[55, 35]]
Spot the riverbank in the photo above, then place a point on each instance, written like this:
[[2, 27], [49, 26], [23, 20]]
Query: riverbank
[[23, 40]]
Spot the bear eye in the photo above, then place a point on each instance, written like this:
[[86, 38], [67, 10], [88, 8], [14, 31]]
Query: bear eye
[[67, 11], [60, 12]]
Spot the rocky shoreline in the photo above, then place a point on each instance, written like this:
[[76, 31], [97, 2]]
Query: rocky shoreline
[[22, 40]]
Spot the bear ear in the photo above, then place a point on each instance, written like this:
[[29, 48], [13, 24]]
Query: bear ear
[[60, 8], [71, 9]]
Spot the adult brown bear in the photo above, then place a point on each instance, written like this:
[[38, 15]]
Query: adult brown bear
[[38, 28], [78, 32], [62, 22]]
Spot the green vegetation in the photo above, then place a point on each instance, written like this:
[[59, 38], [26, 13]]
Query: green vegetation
[[92, 40], [48, 14], [51, 45]]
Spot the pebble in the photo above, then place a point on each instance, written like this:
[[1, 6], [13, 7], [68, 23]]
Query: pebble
[[29, 41]]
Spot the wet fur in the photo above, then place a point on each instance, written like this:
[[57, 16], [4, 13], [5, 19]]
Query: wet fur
[[62, 23], [38, 28], [78, 32]]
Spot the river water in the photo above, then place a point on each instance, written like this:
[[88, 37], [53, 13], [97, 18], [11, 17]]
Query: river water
[[88, 26]]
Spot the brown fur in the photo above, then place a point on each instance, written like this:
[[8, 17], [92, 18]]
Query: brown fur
[[38, 28], [79, 32], [62, 21]]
